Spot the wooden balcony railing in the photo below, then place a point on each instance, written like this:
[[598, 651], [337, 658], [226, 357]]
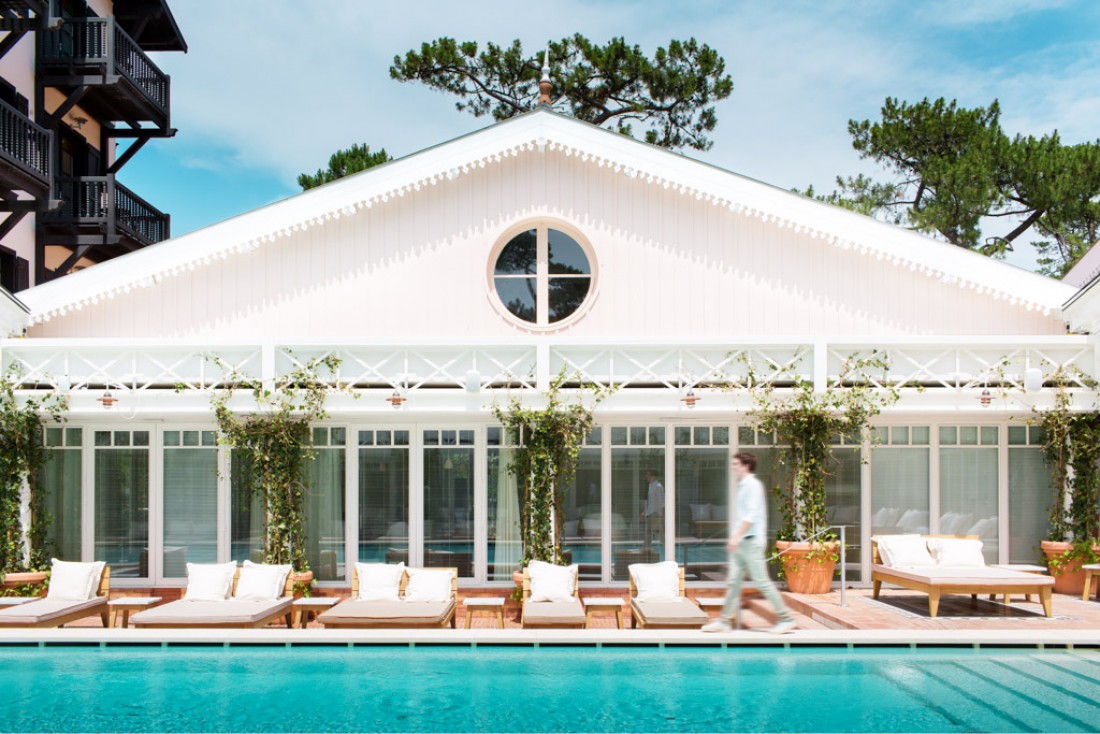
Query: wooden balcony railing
[[24, 144], [102, 201], [101, 42]]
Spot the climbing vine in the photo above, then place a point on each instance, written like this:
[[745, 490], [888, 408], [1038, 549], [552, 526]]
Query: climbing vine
[[274, 439], [550, 439], [22, 456], [807, 422]]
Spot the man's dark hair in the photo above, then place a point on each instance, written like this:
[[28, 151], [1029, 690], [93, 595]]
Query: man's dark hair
[[747, 459]]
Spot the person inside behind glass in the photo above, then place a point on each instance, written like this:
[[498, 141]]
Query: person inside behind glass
[[748, 532], [654, 513]]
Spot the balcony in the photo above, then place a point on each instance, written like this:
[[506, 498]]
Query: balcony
[[24, 153], [123, 83], [98, 210]]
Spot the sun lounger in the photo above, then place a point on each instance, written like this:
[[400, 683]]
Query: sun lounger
[[230, 613], [658, 600], [48, 612], [550, 596], [936, 579], [401, 610]]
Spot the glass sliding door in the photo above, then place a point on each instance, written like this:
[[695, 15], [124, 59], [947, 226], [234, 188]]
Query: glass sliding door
[[1030, 494], [60, 482], [968, 484], [122, 501], [190, 506], [637, 497], [582, 536], [900, 480], [449, 499], [702, 501], [384, 496], [324, 504]]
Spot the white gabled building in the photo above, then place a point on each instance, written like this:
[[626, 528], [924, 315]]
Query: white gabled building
[[481, 268]]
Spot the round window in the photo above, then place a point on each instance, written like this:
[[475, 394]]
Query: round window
[[542, 276]]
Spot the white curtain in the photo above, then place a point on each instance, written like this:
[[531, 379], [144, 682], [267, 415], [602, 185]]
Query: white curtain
[[509, 549]]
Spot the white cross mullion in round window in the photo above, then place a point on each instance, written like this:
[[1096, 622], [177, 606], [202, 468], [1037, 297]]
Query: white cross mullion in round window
[[542, 288]]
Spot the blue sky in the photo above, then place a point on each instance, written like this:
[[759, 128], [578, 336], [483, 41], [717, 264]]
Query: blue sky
[[270, 88]]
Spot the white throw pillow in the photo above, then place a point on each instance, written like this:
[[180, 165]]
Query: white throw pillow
[[209, 581], [550, 582], [380, 581], [261, 581], [956, 551], [429, 584], [656, 581], [70, 581], [904, 550]]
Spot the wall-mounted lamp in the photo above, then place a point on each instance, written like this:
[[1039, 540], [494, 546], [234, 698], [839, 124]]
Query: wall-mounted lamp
[[985, 398], [396, 400], [690, 399], [107, 400]]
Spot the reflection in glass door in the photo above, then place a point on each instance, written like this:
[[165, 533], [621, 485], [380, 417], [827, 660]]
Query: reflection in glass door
[[384, 496], [122, 502], [190, 506], [702, 501], [449, 500]]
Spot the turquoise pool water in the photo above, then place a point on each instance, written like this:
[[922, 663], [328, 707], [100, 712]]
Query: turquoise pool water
[[453, 689]]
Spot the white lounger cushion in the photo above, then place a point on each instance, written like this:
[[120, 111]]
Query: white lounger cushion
[[209, 581], [956, 551], [380, 581], [969, 576], [74, 581], [904, 550], [676, 613], [389, 613], [656, 581], [36, 612], [211, 613], [568, 612], [261, 581], [550, 582]]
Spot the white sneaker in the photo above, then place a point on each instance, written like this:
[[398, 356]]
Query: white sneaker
[[718, 625], [782, 628]]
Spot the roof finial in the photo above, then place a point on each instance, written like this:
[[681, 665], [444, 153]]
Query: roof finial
[[544, 83]]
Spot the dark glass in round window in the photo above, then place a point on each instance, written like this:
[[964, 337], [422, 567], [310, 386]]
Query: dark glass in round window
[[545, 260]]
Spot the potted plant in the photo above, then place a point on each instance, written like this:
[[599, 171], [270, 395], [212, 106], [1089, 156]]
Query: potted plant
[[550, 438], [275, 441], [1071, 447], [24, 521], [806, 421]]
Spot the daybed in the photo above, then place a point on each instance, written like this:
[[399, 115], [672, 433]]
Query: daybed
[[220, 595], [657, 598], [76, 591], [948, 564], [550, 596], [390, 596]]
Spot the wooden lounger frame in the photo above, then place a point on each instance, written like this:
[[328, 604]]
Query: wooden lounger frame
[[637, 619], [448, 621], [1003, 587]]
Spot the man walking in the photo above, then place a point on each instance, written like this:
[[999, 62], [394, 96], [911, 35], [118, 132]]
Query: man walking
[[748, 534]]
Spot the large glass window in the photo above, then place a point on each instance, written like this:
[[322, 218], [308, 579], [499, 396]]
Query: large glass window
[[190, 508], [542, 276], [60, 483], [246, 531], [582, 515], [384, 496], [324, 504], [702, 500], [122, 502], [1030, 494], [449, 499], [968, 484], [637, 497], [900, 480]]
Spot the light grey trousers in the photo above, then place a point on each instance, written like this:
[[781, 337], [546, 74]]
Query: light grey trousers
[[749, 556]]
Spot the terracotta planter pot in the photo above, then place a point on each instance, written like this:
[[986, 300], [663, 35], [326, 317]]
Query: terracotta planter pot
[[301, 577], [813, 576], [1071, 579], [12, 580]]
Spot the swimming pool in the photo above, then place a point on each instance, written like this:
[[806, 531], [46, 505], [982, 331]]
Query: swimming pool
[[493, 689]]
